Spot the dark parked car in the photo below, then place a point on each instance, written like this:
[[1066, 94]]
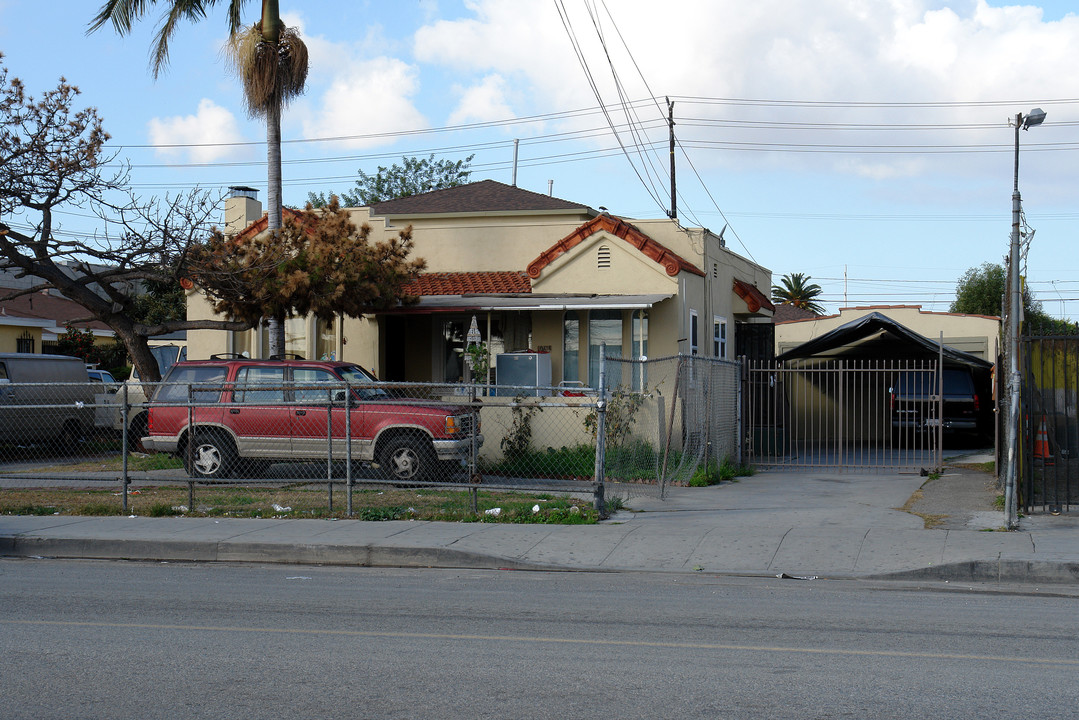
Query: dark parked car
[[225, 416], [914, 401]]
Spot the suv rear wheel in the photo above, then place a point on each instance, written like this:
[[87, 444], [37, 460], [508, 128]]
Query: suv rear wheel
[[407, 458], [211, 456]]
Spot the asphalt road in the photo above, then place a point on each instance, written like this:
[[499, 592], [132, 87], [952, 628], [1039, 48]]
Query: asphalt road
[[125, 640]]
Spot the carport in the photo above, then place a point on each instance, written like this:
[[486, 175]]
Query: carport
[[827, 402]]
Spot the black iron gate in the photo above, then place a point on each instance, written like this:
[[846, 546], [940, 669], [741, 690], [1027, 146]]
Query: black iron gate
[[846, 415], [1049, 429]]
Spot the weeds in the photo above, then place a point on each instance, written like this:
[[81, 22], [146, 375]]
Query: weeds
[[711, 474], [450, 504]]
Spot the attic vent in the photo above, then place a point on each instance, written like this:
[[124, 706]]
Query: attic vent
[[603, 258], [715, 270]]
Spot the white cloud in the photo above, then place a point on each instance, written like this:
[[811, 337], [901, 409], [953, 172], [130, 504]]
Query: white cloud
[[208, 133], [865, 59], [482, 102], [354, 93]]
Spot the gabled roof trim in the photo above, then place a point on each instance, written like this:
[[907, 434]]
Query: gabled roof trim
[[672, 262], [754, 298]]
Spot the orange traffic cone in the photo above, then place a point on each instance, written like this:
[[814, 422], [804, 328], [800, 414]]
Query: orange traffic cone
[[1041, 445]]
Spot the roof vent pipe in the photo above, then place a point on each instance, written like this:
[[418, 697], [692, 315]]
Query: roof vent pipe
[[550, 188]]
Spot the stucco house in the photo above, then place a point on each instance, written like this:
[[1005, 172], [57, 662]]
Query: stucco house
[[538, 273]]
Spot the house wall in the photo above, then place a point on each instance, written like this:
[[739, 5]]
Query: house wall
[[978, 335], [10, 334], [476, 243]]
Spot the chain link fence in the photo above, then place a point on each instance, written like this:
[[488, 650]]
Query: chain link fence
[[659, 423], [672, 419]]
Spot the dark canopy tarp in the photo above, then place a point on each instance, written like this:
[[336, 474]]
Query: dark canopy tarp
[[878, 336]]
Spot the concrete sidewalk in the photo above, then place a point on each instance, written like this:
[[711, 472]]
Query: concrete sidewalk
[[802, 525]]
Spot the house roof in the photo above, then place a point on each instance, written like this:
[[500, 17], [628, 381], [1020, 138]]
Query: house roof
[[877, 334], [259, 226], [754, 298], [469, 283], [672, 262], [528, 301], [785, 312], [52, 308], [482, 196]]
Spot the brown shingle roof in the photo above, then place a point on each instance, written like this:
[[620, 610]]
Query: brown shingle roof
[[672, 262], [43, 306], [785, 312], [470, 283], [482, 196]]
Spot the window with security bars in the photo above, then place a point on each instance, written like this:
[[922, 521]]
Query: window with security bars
[[25, 343]]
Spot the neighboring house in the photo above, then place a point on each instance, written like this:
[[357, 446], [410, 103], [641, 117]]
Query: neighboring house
[[978, 335], [29, 323], [785, 312], [538, 273]]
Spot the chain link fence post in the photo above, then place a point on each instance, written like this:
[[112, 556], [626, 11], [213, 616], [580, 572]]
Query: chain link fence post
[[329, 446], [348, 448], [191, 446], [125, 480], [599, 502]]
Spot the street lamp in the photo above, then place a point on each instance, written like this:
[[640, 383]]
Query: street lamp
[[1015, 306]]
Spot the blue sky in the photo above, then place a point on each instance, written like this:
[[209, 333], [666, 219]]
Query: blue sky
[[837, 138]]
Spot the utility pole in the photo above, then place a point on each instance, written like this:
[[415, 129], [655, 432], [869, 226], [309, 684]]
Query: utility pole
[[670, 127]]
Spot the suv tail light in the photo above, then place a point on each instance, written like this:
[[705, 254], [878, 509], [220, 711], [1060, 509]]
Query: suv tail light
[[977, 403]]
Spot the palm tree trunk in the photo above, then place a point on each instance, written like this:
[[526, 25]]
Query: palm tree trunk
[[273, 209]]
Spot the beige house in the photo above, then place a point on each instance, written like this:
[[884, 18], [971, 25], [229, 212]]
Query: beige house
[[978, 335], [537, 273]]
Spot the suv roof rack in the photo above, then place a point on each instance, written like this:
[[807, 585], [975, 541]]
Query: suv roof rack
[[227, 356], [286, 356]]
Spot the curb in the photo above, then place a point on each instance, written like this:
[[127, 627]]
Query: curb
[[250, 552], [1001, 570]]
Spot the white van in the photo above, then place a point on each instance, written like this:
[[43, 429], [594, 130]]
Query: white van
[[44, 399], [138, 394]]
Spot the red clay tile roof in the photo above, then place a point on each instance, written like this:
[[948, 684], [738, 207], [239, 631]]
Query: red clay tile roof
[[482, 196], [470, 283], [260, 225], [670, 261], [755, 299]]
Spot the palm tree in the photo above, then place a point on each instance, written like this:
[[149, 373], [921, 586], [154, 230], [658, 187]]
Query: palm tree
[[270, 59], [796, 290]]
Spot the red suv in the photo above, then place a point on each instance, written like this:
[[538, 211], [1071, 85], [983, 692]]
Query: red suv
[[227, 416]]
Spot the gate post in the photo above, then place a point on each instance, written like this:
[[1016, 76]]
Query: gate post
[[598, 501]]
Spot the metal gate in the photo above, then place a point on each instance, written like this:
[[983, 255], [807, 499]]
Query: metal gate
[[1049, 430], [845, 415]]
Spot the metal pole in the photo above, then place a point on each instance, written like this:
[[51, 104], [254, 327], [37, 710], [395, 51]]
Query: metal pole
[[599, 503], [329, 446], [123, 443], [192, 440], [1014, 308], [348, 447]]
